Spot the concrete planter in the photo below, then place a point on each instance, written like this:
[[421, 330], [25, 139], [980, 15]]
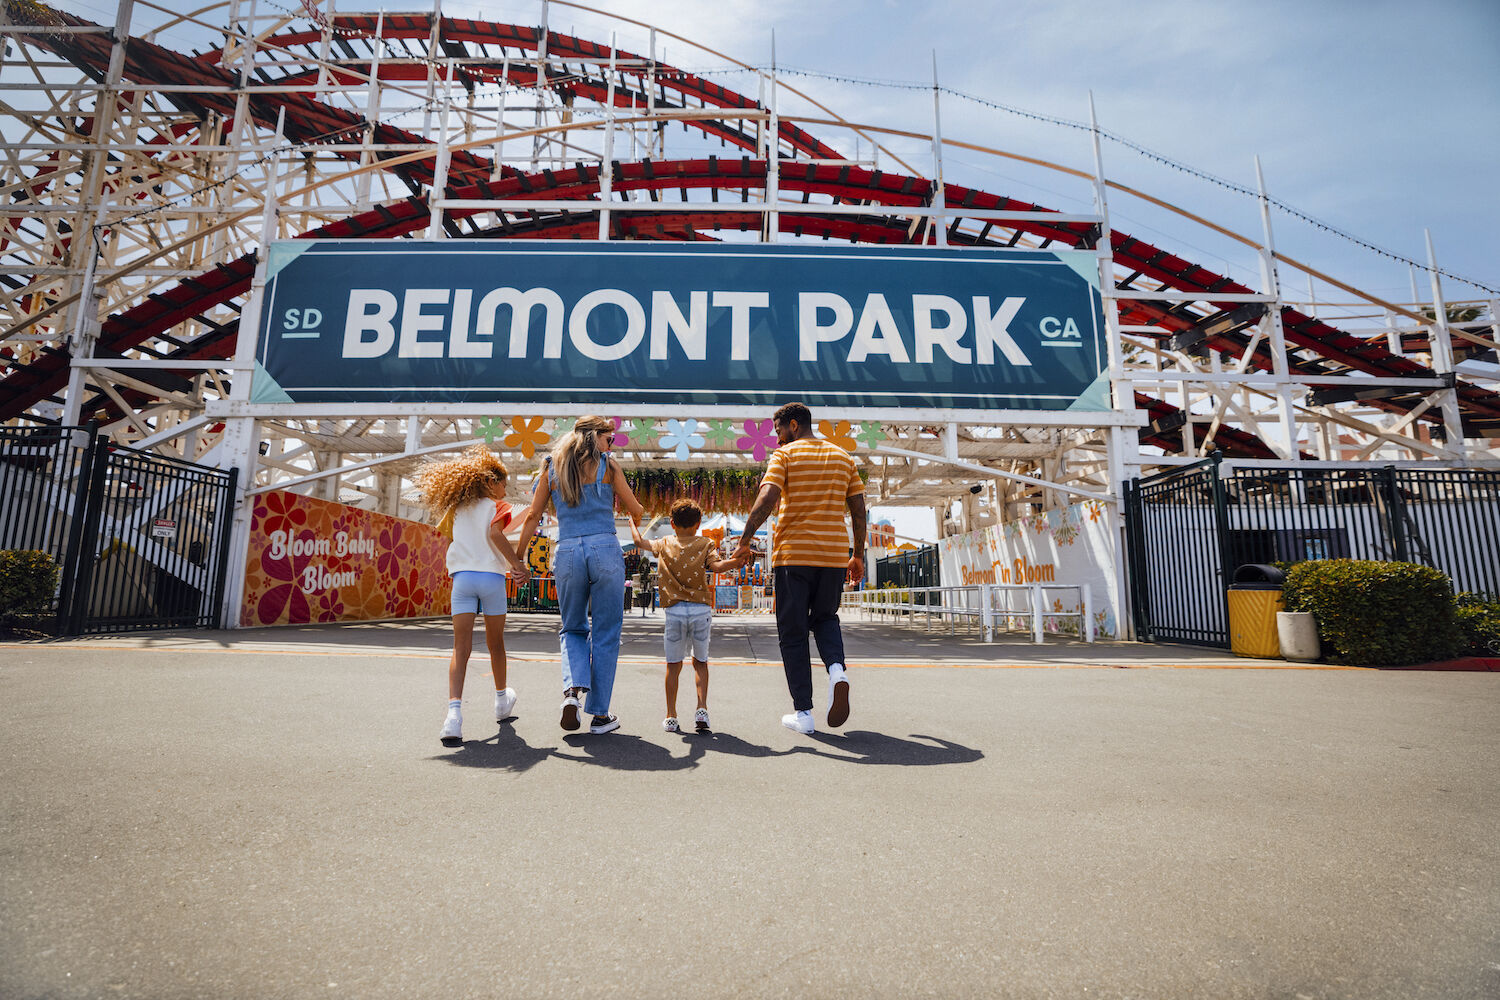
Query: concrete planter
[[1297, 631]]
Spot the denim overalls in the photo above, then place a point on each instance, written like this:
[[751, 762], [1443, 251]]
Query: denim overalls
[[590, 573]]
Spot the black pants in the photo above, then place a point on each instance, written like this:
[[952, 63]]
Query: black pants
[[807, 600]]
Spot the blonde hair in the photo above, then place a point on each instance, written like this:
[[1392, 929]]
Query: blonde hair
[[446, 486], [576, 449]]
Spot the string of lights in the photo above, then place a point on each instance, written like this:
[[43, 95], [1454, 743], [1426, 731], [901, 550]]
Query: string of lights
[[1150, 154]]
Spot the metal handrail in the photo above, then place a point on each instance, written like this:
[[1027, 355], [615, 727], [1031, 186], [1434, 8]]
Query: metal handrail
[[986, 604]]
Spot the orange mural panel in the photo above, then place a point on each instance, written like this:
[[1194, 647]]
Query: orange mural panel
[[318, 561]]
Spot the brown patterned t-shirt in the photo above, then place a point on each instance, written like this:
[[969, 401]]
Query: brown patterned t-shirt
[[682, 573]]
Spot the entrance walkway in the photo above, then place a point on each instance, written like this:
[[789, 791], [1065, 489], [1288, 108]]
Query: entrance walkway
[[270, 814], [738, 639]]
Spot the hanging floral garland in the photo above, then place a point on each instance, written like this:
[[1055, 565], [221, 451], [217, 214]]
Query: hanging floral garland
[[715, 490]]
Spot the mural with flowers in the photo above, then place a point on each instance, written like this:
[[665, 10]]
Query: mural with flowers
[[317, 561]]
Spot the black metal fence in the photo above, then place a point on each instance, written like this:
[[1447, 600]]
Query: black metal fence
[[140, 539], [539, 594], [39, 489], [910, 569], [1175, 557], [1188, 530]]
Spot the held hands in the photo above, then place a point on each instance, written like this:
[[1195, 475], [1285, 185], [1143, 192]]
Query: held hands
[[856, 570], [521, 575]]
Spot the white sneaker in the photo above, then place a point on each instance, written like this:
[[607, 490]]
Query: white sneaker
[[838, 695], [799, 722], [453, 730], [700, 720], [670, 725], [504, 702], [570, 708]]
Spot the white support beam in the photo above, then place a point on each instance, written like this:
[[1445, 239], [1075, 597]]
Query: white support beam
[[985, 470], [226, 408]]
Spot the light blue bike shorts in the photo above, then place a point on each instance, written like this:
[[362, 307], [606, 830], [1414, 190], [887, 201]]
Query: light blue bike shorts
[[478, 593]]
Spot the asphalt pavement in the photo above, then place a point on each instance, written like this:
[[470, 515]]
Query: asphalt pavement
[[268, 813]]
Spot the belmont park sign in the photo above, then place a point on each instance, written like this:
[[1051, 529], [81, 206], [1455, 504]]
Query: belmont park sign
[[485, 321]]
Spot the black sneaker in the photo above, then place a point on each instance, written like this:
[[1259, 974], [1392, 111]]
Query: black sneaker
[[604, 724]]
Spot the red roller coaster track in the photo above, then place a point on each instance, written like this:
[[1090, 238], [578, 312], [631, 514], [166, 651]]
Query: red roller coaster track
[[1316, 349]]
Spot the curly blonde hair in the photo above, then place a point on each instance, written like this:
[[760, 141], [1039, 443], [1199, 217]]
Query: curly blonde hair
[[446, 486], [578, 447]]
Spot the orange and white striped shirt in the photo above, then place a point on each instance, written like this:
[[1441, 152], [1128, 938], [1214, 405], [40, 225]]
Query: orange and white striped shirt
[[815, 478]]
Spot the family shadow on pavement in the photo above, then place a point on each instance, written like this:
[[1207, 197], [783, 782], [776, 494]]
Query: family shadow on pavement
[[507, 751], [862, 747]]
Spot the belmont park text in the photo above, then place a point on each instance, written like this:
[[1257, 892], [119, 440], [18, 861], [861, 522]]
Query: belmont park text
[[436, 323]]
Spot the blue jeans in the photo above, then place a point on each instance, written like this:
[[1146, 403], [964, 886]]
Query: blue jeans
[[590, 573]]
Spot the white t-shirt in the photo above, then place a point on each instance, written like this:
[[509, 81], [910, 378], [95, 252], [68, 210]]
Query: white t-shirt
[[470, 550]]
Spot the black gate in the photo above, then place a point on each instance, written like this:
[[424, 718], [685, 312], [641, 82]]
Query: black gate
[[910, 569], [1173, 531], [1188, 530], [141, 540]]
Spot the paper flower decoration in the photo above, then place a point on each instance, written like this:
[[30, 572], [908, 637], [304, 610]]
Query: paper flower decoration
[[489, 428], [642, 430], [683, 437], [526, 435], [759, 439], [870, 435], [839, 434], [718, 433]]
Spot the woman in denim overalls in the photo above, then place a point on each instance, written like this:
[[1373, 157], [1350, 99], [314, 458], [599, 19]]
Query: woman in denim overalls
[[582, 483]]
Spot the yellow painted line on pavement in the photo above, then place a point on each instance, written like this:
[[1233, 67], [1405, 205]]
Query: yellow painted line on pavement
[[532, 657]]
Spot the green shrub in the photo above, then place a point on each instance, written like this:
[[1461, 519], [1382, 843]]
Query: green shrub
[[1479, 618], [28, 582], [1377, 614]]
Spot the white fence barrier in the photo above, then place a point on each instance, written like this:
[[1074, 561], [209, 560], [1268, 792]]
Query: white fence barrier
[[989, 607]]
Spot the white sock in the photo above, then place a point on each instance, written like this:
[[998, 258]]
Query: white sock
[[455, 705]]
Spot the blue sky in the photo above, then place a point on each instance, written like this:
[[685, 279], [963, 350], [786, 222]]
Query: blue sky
[[1380, 118]]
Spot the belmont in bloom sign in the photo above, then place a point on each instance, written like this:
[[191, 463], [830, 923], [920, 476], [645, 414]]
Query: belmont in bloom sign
[[1065, 547], [317, 561], [484, 321]]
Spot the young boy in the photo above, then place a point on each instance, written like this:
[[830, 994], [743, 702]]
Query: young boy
[[687, 597]]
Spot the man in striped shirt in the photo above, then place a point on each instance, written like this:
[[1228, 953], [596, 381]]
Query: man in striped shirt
[[808, 483]]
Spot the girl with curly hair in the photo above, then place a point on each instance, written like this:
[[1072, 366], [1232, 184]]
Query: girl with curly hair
[[467, 495], [581, 482]]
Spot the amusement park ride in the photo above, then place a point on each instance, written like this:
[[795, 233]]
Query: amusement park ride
[[144, 183]]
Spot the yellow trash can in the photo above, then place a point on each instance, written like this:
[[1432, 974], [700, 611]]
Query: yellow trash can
[[1254, 599]]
